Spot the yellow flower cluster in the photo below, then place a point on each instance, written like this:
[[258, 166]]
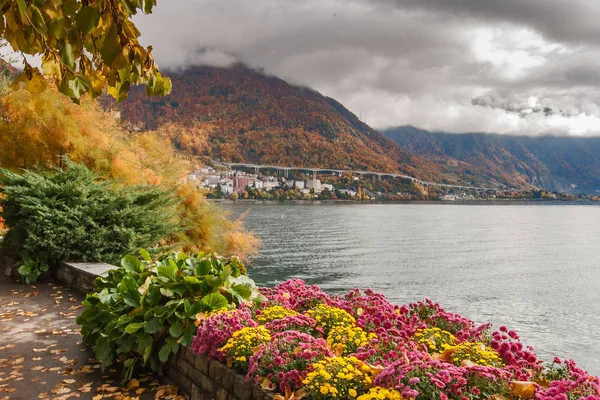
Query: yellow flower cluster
[[344, 340], [242, 344], [437, 340], [328, 317], [379, 393], [272, 313], [477, 353], [337, 378]]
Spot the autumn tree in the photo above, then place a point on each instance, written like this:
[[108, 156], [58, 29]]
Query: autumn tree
[[190, 139], [85, 45], [37, 130]]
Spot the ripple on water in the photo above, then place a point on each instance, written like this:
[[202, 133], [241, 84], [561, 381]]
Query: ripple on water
[[533, 268]]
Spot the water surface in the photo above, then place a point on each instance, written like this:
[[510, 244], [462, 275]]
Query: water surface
[[534, 268]]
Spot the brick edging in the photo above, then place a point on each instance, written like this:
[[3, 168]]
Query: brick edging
[[201, 378]]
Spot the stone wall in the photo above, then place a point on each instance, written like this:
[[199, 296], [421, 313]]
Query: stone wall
[[81, 276], [7, 266], [203, 379]]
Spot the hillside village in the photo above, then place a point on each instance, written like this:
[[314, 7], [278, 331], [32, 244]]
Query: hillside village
[[221, 182]]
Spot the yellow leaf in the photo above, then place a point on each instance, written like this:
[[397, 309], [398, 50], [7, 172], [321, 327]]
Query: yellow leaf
[[31, 80], [521, 389], [267, 384], [134, 383], [51, 67], [375, 369]]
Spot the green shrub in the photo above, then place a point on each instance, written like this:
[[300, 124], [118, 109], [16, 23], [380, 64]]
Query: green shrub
[[71, 214], [145, 310]]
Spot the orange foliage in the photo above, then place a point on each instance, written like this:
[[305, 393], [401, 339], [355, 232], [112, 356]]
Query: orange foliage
[[41, 128], [247, 116]]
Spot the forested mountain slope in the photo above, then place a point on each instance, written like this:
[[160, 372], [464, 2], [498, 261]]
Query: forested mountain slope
[[551, 162], [248, 116]]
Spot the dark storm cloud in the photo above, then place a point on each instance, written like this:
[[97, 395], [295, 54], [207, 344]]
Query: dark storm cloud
[[454, 65], [573, 21]]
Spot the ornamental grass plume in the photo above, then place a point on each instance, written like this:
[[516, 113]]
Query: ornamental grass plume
[[285, 360], [214, 331], [338, 378]]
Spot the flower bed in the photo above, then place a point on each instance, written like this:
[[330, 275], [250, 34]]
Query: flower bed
[[302, 342]]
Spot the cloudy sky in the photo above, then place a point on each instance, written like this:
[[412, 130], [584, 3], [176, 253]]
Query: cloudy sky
[[506, 66]]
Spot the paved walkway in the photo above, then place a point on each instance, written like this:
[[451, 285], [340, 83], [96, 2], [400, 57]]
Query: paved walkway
[[41, 355]]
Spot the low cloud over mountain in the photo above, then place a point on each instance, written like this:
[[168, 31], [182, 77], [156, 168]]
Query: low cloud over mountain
[[452, 65]]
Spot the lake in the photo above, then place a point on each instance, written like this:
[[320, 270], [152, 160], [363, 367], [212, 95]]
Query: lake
[[532, 267]]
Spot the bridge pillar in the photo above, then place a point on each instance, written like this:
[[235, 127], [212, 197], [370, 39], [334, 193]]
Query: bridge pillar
[[256, 170]]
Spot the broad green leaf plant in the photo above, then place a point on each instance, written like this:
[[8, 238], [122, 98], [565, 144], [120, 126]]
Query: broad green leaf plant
[[85, 46], [142, 312]]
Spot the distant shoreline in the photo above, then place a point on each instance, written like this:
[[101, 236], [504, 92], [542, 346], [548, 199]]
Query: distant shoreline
[[424, 202]]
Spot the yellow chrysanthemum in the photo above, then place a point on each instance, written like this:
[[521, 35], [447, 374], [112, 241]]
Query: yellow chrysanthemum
[[343, 378], [435, 339], [379, 393], [477, 353], [241, 345], [344, 340], [272, 313], [328, 317]]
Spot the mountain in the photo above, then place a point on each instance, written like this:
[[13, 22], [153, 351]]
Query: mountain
[[7, 70], [252, 117], [550, 162]]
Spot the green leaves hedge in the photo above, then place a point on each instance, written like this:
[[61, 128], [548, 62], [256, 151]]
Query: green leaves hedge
[[71, 214], [144, 311]]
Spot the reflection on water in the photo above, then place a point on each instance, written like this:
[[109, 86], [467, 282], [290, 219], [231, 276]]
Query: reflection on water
[[534, 268]]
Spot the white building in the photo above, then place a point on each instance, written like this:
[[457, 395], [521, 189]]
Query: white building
[[227, 189], [314, 184], [299, 185], [213, 179], [259, 184], [268, 184], [327, 186]]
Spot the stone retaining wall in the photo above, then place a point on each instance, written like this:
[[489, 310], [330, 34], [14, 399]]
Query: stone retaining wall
[[201, 378], [7, 265], [81, 276]]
